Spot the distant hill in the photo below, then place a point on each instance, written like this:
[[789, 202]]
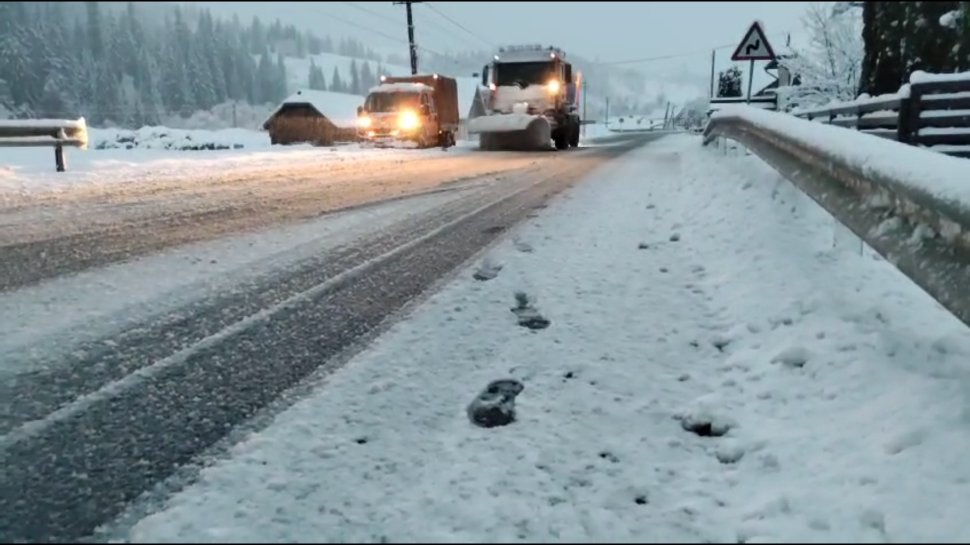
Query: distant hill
[[136, 64]]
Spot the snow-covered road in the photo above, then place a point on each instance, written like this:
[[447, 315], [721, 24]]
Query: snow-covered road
[[49, 234], [683, 287], [115, 376]]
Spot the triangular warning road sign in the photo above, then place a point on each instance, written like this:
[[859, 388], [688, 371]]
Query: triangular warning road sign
[[754, 46]]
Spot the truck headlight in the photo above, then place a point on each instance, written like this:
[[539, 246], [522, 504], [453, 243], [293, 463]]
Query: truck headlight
[[408, 121], [553, 87], [363, 122]]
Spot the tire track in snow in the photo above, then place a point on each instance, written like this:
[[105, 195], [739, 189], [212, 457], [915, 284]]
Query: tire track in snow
[[79, 469], [58, 235]]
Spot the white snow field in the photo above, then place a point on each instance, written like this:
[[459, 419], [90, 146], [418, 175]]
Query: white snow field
[[684, 287], [31, 170]]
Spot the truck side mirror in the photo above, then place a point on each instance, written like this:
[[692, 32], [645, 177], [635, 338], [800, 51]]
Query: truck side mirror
[[485, 75]]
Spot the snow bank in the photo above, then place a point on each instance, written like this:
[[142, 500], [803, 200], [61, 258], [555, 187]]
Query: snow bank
[[864, 443], [31, 170], [164, 138], [593, 131], [927, 172]]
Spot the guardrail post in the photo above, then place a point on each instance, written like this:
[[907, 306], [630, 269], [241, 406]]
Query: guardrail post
[[909, 109], [59, 157]]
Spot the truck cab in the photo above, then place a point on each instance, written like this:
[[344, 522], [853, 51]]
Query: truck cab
[[540, 78], [410, 110], [536, 82]]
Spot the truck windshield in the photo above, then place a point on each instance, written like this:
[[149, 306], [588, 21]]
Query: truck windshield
[[523, 74], [391, 102]]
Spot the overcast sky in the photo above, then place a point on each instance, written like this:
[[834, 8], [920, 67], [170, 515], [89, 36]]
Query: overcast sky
[[609, 31]]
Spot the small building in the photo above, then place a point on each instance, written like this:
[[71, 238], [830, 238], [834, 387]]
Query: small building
[[321, 118]]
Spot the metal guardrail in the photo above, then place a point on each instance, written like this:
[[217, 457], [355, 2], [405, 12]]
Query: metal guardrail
[[56, 133], [863, 201]]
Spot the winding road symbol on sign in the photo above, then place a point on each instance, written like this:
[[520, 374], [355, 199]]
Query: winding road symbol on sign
[[754, 46]]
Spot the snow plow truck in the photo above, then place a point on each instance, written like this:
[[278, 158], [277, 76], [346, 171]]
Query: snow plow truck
[[531, 96], [410, 111]]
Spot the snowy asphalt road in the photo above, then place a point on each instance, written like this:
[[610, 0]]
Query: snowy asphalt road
[[65, 232], [90, 428]]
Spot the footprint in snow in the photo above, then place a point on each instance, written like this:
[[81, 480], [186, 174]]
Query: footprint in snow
[[527, 314], [795, 356], [721, 341], [523, 247], [487, 271], [495, 405]]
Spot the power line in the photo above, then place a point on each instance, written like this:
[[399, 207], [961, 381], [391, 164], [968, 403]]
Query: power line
[[679, 55], [442, 30], [459, 25], [374, 13], [371, 30]]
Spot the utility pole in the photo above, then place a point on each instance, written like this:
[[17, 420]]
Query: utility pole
[[713, 55], [414, 48]]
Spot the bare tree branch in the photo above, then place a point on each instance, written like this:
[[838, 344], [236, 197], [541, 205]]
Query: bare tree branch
[[829, 68]]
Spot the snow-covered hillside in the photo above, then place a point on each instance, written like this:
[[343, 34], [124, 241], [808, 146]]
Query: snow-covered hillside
[[298, 70]]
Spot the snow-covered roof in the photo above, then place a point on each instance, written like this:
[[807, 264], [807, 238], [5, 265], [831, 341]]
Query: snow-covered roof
[[339, 108], [467, 87], [528, 54], [401, 87]]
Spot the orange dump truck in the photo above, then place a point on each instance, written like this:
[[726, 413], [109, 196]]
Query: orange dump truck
[[421, 111]]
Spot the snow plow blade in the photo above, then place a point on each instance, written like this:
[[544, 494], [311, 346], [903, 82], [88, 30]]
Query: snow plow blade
[[518, 132]]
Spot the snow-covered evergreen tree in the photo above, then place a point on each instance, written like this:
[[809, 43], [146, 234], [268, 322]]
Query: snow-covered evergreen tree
[[336, 84], [354, 87]]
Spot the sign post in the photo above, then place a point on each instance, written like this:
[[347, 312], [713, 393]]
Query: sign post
[[753, 47]]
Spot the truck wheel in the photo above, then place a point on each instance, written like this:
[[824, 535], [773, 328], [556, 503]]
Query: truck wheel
[[574, 136], [446, 139], [486, 142], [561, 139]]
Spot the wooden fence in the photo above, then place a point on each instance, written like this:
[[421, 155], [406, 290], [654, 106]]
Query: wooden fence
[[936, 115]]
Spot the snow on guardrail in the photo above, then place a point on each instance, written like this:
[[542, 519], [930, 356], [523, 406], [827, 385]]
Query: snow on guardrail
[[936, 175], [912, 205], [47, 132]]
